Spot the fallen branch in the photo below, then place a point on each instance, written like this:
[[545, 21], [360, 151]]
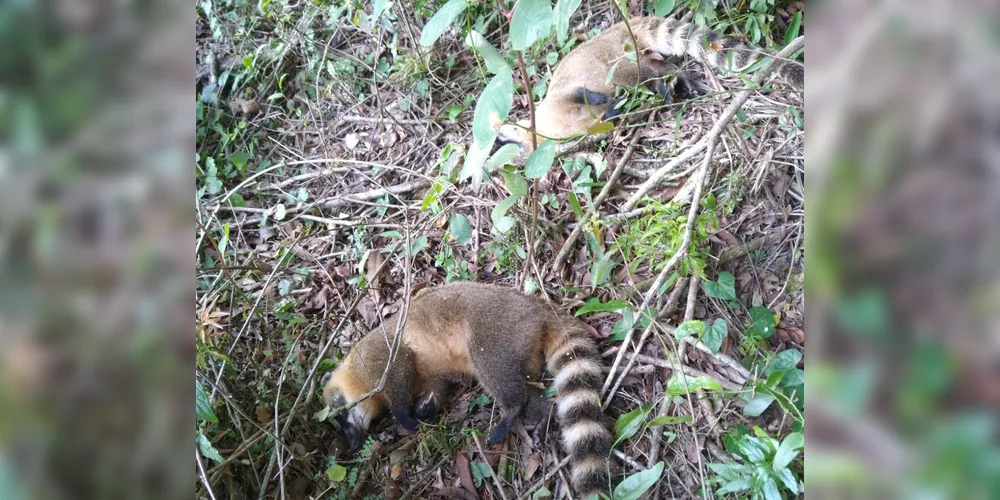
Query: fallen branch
[[376, 193]]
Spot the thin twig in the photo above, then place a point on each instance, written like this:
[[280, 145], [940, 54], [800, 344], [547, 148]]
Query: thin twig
[[555, 470], [493, 474], [534, 183], [201, 472]]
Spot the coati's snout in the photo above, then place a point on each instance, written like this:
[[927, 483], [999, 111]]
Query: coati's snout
[[518, 135]]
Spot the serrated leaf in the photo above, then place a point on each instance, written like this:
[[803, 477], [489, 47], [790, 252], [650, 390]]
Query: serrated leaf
[[690, 328], [337, 472], [503, 156], [715, 334], [758, 404], [784, 360], [600, 128], [214, 185], [793, 28], [723, 289], [662, 7], [207, 450], [595, 305], [438, 24], [515, 183], [637, 484], [492, 109], [763, 322], [532, 19], [203, 407], [540, 161], [788, 450], [460, 229], [680, 384], [563, 12], [495, 62]]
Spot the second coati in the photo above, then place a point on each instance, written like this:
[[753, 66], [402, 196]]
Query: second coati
[[501, 338], [580, 94]]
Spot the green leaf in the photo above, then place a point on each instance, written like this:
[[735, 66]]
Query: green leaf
[[207, 450], [724, 289], [203, 407], [239, 159], [793, 28], [540, 161], [680, 384], [688, 328], [438, 24], [574, 204], [460, 229], [379, 7], [788, 450], [623, 326], [503, 156], [563, 12], [541, 492], [788, 480], [515, 183], [495, 62], [600, 271], [600, 128], [637, 484], [492, 109], [771, 490], [715, 334], [734, 486], [758, 404], [752, 449], [504, 224], [662, 7], [532, 20], [214, 185], [473, 166], [763, 322], [784, 360], [670, 420], [336, 473], [501, 209], [480, 471], [628, 424], [595, 305], [323, 414], [432, 195]]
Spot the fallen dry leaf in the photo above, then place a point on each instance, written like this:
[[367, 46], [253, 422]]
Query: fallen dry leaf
[[464, 474], [531, 465]]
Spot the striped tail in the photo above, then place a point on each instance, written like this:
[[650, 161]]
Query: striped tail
[[681, 36], [573, 359]]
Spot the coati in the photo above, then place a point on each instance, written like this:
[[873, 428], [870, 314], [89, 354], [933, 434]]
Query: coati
[[501, 338], [581, 96]]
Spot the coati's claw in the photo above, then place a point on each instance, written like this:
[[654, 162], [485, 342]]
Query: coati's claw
[[500, 432], [427, 408]]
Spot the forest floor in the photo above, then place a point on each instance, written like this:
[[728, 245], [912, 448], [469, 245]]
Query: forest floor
[[325, 139]]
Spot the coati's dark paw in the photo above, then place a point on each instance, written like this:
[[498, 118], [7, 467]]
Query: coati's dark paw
[[500, 432], [687, 86], [405, 420], [427, 408]]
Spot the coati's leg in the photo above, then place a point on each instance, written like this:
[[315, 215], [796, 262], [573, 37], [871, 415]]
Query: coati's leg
[[398, 389], [429, 405], [503, 378]]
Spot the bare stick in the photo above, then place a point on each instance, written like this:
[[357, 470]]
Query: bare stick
[[592, 209], [201, 472], [493, 474], [377, 193], [713, 135], [534, 183]]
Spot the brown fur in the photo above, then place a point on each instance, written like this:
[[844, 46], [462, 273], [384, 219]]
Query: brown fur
[[561, 115], [496, 335]]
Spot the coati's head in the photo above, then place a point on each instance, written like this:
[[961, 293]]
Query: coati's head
[[515, 134], [342, 387]]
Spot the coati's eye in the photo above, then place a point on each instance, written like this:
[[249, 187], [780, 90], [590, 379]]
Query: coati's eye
[[337, 400], [326, 378]]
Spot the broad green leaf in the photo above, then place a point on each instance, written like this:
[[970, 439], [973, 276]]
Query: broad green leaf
[[595, 305], [504, 224], [670, 420], [600, 128], [574, 204], [480, 471], [771, 490], [492, 109], [724, 289], [628, 424], [600, 271], [207, 450], [460, 229], [541, 492], [503, 156], [540, 161], [495, 63], [336, 473], [715, 334], [793, 378], [532, 20], [637, 484], [501, 209], [203, 407], [788, 480], [563, 12], [728, 471], [793, 28], [662, 7], [432, 195], [763, 322], [515, 183], [680, 384], [323, 414], [473, 166], [623, 326], [379, 7], [752, 449], [734, 486], [784, 360], [239, 159], [758, 404], [788, 450], [438, 24], [690, 328]]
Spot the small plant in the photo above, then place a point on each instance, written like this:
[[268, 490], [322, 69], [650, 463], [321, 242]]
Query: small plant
[[653, 238], [763, 467]]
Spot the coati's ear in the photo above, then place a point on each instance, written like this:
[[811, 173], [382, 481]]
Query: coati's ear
[[654, 55]]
